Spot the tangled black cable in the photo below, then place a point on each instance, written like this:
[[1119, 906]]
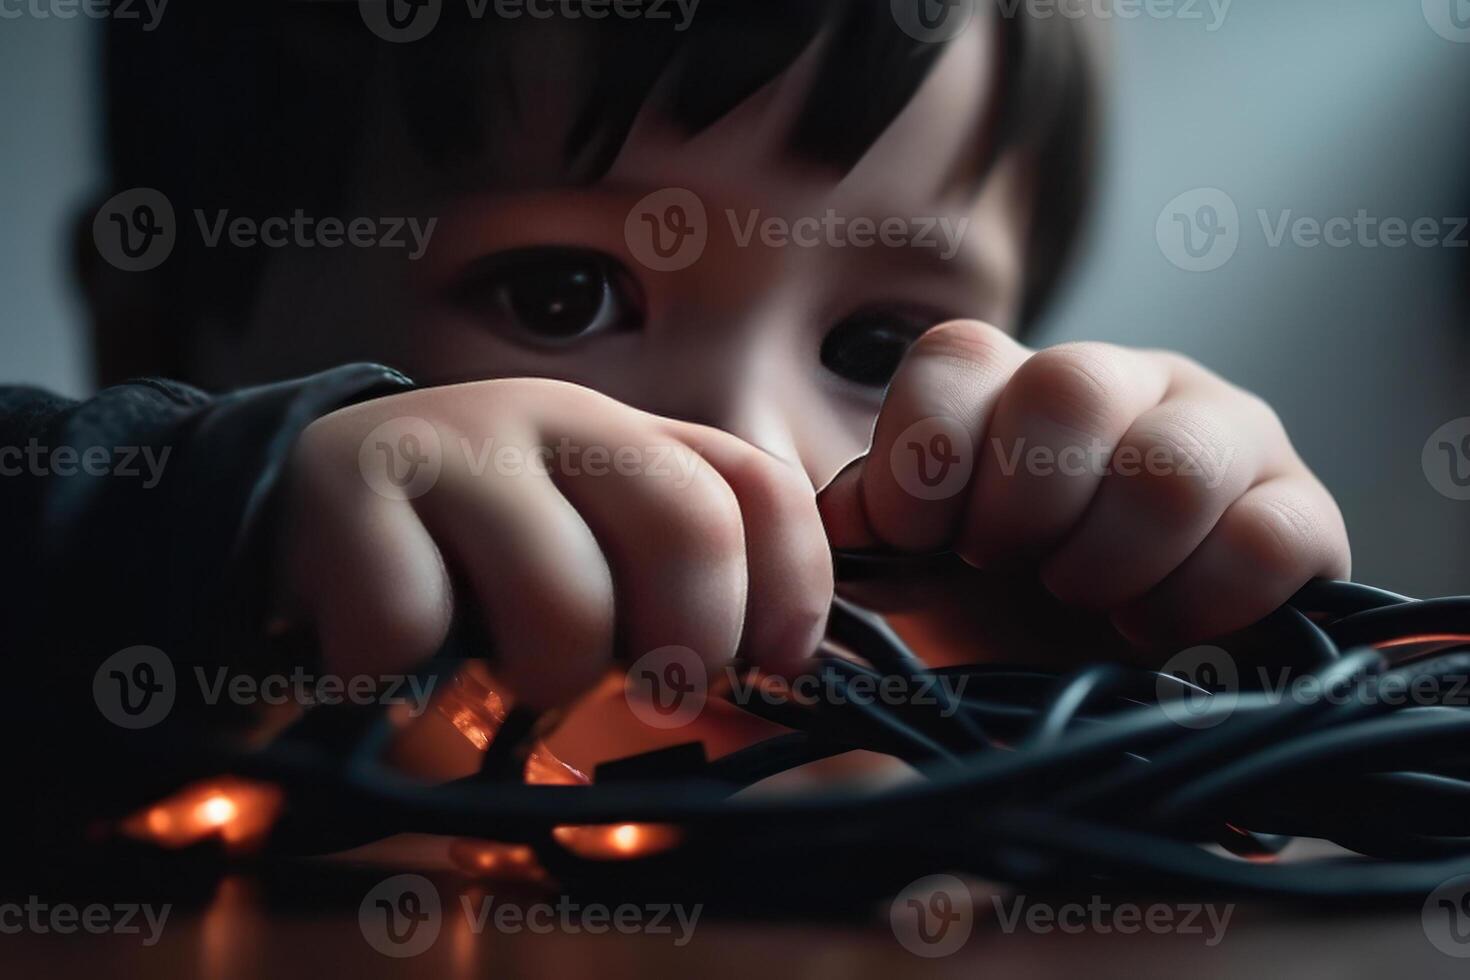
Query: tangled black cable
[[1109, 773]]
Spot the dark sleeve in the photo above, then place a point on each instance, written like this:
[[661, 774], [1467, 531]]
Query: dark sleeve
[[135, 518]]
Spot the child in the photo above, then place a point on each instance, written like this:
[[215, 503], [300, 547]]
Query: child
[[782, 247]]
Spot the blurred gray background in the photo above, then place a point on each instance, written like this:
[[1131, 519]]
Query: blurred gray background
[[1322, 107]]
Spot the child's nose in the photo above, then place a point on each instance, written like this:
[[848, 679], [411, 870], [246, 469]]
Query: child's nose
[[747, 412], [752, 396]]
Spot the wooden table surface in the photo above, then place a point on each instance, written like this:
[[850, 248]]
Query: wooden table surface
[[242, 933]]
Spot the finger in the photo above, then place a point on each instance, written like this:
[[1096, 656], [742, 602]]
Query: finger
[[671, 529], [1065, 408], [536, 576], [910, 487], [789, 560], [1277, 537], [1175, 471], [370, 579]]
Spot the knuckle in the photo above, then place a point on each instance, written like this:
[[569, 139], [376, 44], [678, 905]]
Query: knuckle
[[771, 484], [1276, 534], [1180, 467], [1072, 385], [708, 513], [1264, 414]]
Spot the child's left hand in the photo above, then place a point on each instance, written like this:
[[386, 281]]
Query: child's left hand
[[1137, 483]]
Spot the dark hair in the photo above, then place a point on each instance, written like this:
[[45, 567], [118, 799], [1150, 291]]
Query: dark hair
[[257, 98]]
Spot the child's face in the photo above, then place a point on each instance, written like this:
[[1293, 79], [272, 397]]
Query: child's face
[[785, 345]]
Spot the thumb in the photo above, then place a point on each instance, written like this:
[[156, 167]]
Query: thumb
[[843, 513]]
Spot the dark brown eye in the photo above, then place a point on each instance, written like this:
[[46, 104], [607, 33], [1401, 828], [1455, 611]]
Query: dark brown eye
[[556, 294], [867, 347]]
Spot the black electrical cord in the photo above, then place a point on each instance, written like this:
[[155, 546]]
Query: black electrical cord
[[1026, 776]]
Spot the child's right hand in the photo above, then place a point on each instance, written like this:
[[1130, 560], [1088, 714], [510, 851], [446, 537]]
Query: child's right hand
[[627, 532]]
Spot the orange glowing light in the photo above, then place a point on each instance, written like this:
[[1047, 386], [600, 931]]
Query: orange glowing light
[[475, 710], [505, 862], [626, 838], [543, 768], [217, 811], [1407, 641], [238, 812], [617, 841]]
